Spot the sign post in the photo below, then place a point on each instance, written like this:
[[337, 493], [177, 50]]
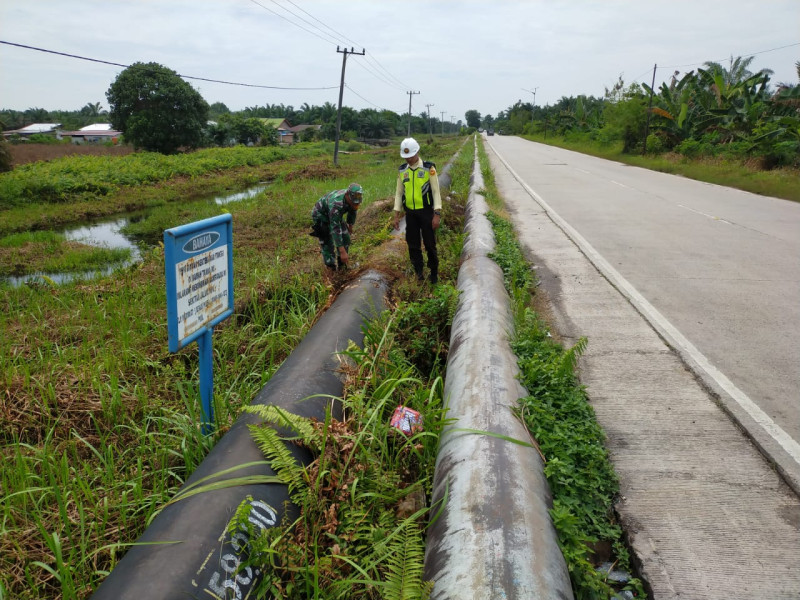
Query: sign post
[[198, 263]]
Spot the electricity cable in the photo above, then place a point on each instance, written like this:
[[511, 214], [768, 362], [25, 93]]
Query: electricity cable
[[257, 3], [369, 57], [748, 54], [372, 103], [106, 62], [374, 73]]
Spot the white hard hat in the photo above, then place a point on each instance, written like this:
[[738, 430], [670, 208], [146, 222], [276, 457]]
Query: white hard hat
[[408, 147]]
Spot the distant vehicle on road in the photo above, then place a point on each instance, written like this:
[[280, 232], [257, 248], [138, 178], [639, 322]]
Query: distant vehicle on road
[[490, 132]]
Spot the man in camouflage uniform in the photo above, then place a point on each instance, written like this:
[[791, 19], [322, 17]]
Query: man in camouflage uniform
[[332, 221]]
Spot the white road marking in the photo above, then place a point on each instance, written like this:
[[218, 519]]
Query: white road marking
[[705, 215], [666, 328]]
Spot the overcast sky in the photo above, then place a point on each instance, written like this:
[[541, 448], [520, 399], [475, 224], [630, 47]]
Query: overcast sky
[[459, 54]]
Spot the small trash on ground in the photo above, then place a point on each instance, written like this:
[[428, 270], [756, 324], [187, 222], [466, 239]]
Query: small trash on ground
[[406, 420], [613, 575]]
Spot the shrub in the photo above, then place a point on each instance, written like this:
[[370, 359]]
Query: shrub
[[423, 328], [5, 157], [690, 148], [654, 144], [782, 154]]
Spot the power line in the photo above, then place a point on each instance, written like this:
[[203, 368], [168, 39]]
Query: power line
[[378, 76], [375, 74], [344, 37], [106, 62], [341, 35], [638, 77], [748, 54], [292, 22], [368, 101]]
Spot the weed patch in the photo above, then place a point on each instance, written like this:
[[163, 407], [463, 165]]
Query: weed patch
[[98, 421]]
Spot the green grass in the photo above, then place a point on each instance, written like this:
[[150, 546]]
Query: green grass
[[779, 183], [51, 252], [362, 501], [98, 421]]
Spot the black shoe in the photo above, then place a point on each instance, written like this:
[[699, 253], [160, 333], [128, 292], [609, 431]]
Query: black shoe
[[434, 278]]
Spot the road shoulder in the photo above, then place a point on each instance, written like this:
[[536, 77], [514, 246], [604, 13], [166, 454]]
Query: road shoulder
[[706, 515]]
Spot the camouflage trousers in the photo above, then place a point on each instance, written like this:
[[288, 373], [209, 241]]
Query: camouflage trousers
[[330, 254]]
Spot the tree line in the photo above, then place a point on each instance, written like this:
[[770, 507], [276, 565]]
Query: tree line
[[711, 112], [157, 110]]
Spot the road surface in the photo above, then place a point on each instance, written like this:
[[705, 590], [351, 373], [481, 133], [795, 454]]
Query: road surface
[[689, 295]]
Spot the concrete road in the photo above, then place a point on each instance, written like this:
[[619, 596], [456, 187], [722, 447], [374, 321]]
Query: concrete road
[[720, 266], [689, 296]]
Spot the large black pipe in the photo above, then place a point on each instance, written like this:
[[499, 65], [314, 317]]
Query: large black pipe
[[186, 551]]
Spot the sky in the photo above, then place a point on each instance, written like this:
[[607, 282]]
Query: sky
[[459, 55]]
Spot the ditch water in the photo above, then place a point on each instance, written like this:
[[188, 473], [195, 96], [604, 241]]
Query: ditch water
[[107, 233]]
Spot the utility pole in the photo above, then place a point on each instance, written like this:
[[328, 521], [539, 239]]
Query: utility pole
[[442, 113], [344, 52], [430, 125], [533, 91], [649, 108], [410, 94]]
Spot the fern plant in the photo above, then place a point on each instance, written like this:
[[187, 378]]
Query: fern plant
[[360, 533]]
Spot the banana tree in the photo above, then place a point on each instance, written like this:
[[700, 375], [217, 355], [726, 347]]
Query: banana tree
[[680, 115], [738, 106]]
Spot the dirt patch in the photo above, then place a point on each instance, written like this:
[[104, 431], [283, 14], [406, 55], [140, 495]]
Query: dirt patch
[[320, 172], [27, 153]]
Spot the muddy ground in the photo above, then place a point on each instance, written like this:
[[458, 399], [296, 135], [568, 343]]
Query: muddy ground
[[24, 153]]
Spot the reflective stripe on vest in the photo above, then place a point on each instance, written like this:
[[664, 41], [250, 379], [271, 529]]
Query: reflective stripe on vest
[[417, 188]]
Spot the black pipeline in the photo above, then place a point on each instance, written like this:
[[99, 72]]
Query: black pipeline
[[186, 551]]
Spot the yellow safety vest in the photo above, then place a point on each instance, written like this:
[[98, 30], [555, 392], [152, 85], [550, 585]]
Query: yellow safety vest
[[417, 186]]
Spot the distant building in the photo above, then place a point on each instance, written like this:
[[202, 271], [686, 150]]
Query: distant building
[[33, 129], [285, 134], [297, 130], [98, 133]]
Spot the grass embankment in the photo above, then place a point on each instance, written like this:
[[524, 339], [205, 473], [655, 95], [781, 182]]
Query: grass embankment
[[47, 251], [779, 183], [561, 420], [98, 420]]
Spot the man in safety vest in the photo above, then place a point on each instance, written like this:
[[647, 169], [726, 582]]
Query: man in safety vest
[[418, 194], [332, 220]]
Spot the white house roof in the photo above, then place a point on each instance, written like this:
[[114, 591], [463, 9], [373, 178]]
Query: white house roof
[[97, 127], [38, 128]]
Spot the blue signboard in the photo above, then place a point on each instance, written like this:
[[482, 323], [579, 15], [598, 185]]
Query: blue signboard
[[198, 263]]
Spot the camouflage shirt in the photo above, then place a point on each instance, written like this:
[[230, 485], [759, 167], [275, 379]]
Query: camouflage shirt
[[332, 214]]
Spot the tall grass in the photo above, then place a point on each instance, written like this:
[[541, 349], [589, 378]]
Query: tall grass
[[99, 422], [50, 252], [363, 501]]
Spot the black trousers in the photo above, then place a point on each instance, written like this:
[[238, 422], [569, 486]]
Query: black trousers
[[419, 228]]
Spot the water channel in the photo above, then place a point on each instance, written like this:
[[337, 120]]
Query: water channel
[[107, 233]]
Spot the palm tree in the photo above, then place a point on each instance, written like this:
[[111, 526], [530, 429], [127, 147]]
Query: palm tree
[[37, 115], [374, 126], [788, 96], [93, 110], [327, 112]]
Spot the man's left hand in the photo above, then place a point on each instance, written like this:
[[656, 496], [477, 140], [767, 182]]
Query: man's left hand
[[436, 220]]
